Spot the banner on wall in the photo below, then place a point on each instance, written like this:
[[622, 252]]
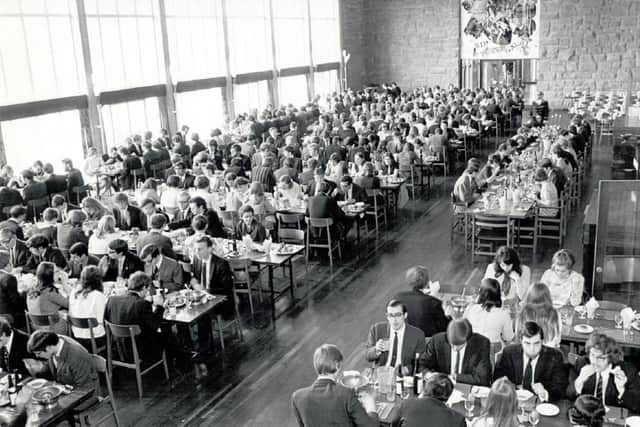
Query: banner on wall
[[500, 29]]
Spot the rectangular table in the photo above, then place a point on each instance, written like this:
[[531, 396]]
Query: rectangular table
[[190, 314], [391, 189]]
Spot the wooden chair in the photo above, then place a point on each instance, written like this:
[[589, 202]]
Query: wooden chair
[[377, 211], [459, 219], [77, 191], [442, 162], [101, 367], [37, 206], [87, 323], [288, 220], [158, 169], [242, 283], [122, 334], [553, 228], [295, 237], [220, 325], [318, 227], [489, 233], [41, 321]]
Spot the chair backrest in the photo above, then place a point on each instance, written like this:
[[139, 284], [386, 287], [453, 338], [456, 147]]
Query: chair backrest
[[43, 320], [493, 222], [80, 189], [291, 235], [319, 222], [83, 322], [38, 205], [285, 218], [123, 331], [240, 270], [100, 363]]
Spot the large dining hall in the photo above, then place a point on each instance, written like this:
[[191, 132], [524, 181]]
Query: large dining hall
[[314, 213]]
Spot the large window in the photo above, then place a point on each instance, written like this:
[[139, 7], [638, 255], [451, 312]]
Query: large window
[[325, 82], [250, 97], [293, 90], [126, 47], [50, 138], [325, 31], [40, 54], [249, 36], [122, 120], [201, 110], [291, 33], [196, 39]]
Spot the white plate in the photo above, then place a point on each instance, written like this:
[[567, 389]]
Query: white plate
[[37, 383], [583, 329], [524, 394], [480, 391], [548, 409], [633, 421], [636, 325]]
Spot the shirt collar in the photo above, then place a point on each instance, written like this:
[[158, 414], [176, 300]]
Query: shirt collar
[[10, 342], [59, 349], [159, 263]]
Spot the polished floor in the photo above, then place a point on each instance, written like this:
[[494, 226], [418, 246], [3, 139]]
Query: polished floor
[[251, 384]]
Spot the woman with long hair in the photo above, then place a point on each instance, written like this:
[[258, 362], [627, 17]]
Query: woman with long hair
[[89, 301], [502, 406], [44, 298], [94, 209], [102, 236], [538, 308], [514, 277], [487, 316]]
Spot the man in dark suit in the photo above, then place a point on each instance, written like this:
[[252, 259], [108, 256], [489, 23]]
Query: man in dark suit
[[186, 179], [119, 262], [17, 217], [18, 251], [424, 310], [149, 208], [395, 343], [213, 274], [307, 174], [326, 402], [129, 164], [431, 405], [126, 216], [33, 190], [324, 206], [8, 197], [461, 353], [236, 153], [198, 206], [183, 216], [536, 367], [149, 158], [79, 258], [318, 178], [60, 204], [41, 250], [134, 309], [165, 272], [13, 348], [55, 183], [163, 153], [12, 304], [197, 146], [156, 238], [605, 375], [350, 192]]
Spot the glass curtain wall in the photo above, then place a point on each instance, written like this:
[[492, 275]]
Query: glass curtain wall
[[201, 110], [122, 120]]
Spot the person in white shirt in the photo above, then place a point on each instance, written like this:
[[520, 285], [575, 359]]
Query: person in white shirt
[[487, 317], [201, 184], [169, 197], [290, 190], [514, 278], [548, 194], [538, 307], [92, 163], [89, 301], [565, 284], [104, 234]]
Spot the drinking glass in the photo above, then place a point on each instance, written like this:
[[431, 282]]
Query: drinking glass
[[534, 417], [617, 318], [406, 391], [469, 404]]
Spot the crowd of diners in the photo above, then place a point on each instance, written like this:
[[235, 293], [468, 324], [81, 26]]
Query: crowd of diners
[[483, 347]]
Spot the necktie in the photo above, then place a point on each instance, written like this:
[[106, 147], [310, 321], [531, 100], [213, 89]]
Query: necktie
[[598, 389], [154, 272], [394, 349], [203, 275], [506, 284], [4, 359], [12, 256], [527, 377], [456, 362]]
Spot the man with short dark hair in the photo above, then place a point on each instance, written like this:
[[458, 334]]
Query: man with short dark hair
[[165, 272], [182, 217], [186, 179], [534, 366], [13, 348], [119, 262], [126, 215], [395, 343], [461, 353], [155, 237], [79, 258], [198, 206], [17, 217], [149, 208], [431, 405], [41, 250], [327, 402], [212, 273], [423, 307], [350, 192], [18, 251], [8, 197]]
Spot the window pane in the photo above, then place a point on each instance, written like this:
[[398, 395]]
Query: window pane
[[293, 90], [29, 139], [250, 97], [325, 34], [122, 120], [291, 33], [325, 83], [249, 36], [196, 40], [201, 110]]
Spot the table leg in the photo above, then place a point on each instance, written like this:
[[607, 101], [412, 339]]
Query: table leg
[[272, 292], [97, 186], [291, 281]]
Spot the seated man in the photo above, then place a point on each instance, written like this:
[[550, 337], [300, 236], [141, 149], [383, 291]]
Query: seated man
[[605, 375], [165, 272], [12, 304], [156, 238], [149, 208], [249, 225], [324, 206], [18, 251], [41, 250], [465, 189], [79, 258], [424, 309], [67, 361], [13, 348], [350, 192], [126, 216], [183, 215], [461, 353], [536, 367], [326, 402], [134, 309], [119, 262], [212, 273], [394, 342], [198, 206], [431, 405], [17, 217]]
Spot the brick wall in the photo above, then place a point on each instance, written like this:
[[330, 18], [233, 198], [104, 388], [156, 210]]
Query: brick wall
[[592, 44]]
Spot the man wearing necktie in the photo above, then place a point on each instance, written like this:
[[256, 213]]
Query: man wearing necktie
[[13, 348], [533, 366], [395, 343]]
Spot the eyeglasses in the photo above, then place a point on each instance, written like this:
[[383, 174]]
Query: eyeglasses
[[395, 315], [601, 357]]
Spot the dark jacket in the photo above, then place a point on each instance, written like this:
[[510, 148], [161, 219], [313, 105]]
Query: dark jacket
[[53, 255], [182, 219], [424, 312], [256, 231], [75, 179], [75, 268], [109, 267], [169, 274], [414, 411], [9, 197], [20, 254], [214, 226], [196, 148], [158, 239], [325, 403], [476, 365], [17, 353], [69, 235], [323, 206], [148, 159], [186, 181], [550, 370], [135, 218], [131, 309], [129, 163], [35, 190], [56, 184], [357, 193], [75, 366], [412, 343], [13, 225], [11, 302], [220, 280]]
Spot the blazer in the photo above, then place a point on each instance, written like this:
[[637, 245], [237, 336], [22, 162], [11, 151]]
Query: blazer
[[550, 370], [9, 197], [68, 235], [169, 274], [21, 254], [12, 224], [323, 206], [186, 181], [358, 194], [129, 163], [131, 309], [11, 302], [75, 179], [311, 187], [326, 403], [220, 280], [17, 353], [109, 267], [412, 343], [476, 365], [75, 366], [630, 398], [53, 255], [75, 268], [158, 239], [182, 219], [415, 410], [214, 226], [424, 312], [135, 218], [56, 184]]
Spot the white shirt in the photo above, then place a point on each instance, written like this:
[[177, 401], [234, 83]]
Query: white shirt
[[100, 245], [91, 165], [534, 362], [169, 198], [90, 306], [564, 291], [392, 335], [604, 379], [460, 359], [495, 324], [519, 283]]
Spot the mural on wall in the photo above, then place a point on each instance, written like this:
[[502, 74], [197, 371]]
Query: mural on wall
[[500, 29]]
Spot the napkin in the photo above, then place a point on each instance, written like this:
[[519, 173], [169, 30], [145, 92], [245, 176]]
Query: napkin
[[434, 288], [591, 306], [627, 315], [456, 397], [248, 241]]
